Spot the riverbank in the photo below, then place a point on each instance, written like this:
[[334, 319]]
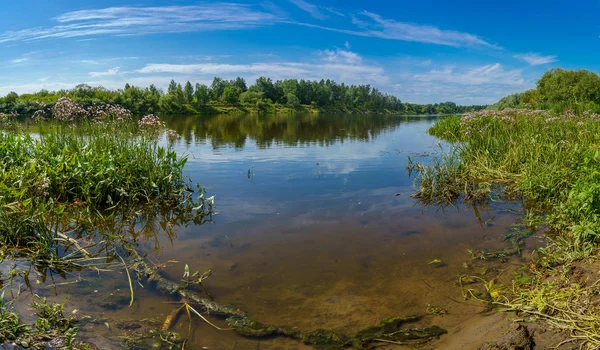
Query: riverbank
[[549, 162], [277, 109]]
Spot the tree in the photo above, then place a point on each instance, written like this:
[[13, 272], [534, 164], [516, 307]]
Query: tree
[[239, 83], [251, 97], [217, 88], [292, 100], [575, 86], [231, 95], [188, 93], [83, 91], [174, 100], [201, 95], [265, 85], [11, 98], [172, 88]]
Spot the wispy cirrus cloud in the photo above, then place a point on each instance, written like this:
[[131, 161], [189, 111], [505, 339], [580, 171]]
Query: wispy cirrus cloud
[[369, 24], [377, 26], [147, 20], [26, 57], [536, 59], [109, 72], [333, 11], [313, 10], [20, 60], [86, 24]]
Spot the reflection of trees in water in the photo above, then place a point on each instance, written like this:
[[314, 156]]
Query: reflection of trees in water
[[293, 130]]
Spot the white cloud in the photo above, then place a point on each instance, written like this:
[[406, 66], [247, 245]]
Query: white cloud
[[347, 45], [535, 59], [224, 69], [492, 74], [106, 60], [20, 60], [110, 72], [310, 8], [410, 80], [340, 56], [348, 73], [89, 62], [34, 87], [339, 65], [146, 20]]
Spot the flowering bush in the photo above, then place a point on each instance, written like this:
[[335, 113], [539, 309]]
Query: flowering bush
[[109, 113], [150, 122], [172, 134], [67, 110]]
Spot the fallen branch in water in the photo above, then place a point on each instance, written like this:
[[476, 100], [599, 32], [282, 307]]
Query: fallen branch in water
[[389, 330]]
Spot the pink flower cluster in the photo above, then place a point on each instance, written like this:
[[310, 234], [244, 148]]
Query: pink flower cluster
[[106, 113], [150, 122], [172, 134], [39, 115], [66, 110]]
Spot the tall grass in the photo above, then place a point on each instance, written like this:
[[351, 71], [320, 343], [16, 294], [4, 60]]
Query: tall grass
[[83, 166], [553, 161]]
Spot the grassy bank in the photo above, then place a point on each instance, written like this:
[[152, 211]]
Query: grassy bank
[[76, 187], [552, 163], [79, 167]]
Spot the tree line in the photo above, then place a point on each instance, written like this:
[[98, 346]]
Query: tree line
[[263, 96], [559, 90]]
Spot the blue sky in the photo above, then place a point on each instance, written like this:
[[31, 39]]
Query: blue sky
[[421, 51]]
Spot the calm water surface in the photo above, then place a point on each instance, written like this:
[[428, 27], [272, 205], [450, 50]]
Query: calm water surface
[[316, 229]]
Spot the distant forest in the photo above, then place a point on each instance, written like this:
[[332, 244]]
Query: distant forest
[[263, 97], [559, 90]]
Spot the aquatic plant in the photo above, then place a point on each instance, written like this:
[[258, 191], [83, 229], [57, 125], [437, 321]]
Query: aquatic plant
[[51, 329]]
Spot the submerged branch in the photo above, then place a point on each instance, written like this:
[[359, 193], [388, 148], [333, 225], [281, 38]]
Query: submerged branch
[[389, 330]]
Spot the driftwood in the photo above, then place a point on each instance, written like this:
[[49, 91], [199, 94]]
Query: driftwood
[[388, 331]]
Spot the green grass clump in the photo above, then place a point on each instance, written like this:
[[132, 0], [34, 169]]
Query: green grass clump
[[82, 167], [553, 161]]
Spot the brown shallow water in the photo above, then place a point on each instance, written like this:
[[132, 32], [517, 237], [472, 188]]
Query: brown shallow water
[[316, 230]]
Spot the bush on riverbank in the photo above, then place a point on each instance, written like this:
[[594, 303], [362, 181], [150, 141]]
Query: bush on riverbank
[[558, 90]]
